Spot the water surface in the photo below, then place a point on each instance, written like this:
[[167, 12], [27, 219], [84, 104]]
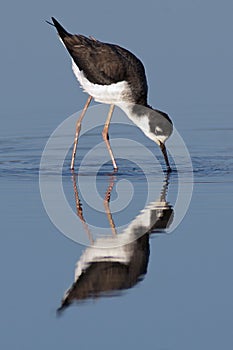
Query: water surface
[[182, 297]]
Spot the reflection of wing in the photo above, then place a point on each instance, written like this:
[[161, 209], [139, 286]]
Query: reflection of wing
[[110, 265], [107, 272]]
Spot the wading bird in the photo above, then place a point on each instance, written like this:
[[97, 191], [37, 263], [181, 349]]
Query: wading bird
[[113, 75]]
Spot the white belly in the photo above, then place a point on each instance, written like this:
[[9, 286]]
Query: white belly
[[109, 94]]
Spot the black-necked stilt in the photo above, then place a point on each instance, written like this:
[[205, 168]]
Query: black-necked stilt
[[113, 75]]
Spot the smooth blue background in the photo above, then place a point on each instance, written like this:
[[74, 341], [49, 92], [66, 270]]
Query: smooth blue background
[[185, 300], [185, 46]]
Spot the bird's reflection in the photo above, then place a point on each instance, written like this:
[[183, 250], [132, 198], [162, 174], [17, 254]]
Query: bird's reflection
[[110, 270]]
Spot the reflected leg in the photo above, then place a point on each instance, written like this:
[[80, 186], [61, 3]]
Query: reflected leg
[[79, 209], [107, 208]]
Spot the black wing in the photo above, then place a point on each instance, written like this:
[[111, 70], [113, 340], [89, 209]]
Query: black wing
[[102, 63]]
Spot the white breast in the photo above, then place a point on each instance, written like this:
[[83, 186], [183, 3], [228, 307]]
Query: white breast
[[110, 94]]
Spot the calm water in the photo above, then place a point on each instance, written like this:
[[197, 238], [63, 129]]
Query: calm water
[[184, 300], [181, 282]]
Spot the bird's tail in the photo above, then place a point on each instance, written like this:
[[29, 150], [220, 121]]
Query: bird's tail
[[61, 31]]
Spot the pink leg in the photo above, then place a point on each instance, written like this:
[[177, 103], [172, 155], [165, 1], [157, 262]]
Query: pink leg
[[106, 137], [77, 131]]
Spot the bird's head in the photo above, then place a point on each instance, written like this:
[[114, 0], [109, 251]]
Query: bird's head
[[156, 124]]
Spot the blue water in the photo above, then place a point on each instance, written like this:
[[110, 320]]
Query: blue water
[[185, 298]]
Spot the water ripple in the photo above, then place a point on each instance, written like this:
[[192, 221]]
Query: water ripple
[[21, 158]]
